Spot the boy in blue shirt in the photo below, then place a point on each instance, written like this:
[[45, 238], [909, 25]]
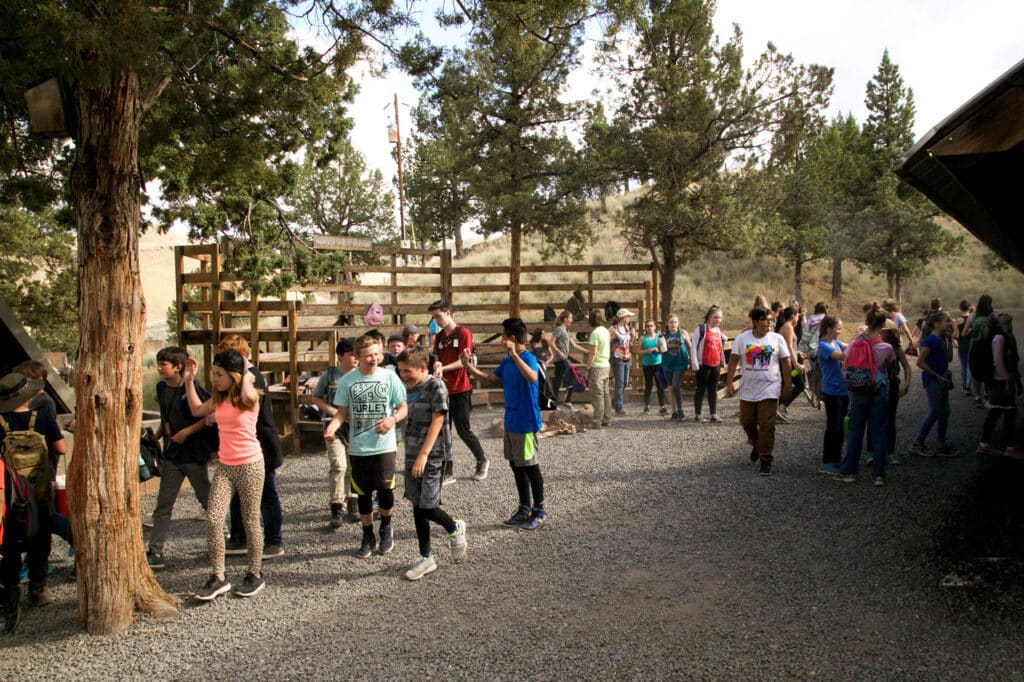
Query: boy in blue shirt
[[517, 375], [372, 400]]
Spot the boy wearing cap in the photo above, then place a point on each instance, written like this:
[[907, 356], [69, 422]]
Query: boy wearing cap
[[16, 394], [396, 344], [341, 496]]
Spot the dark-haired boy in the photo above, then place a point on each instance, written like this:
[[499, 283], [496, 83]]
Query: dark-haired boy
[[341, 495], [428, 445], [517, 375], [188, 443]]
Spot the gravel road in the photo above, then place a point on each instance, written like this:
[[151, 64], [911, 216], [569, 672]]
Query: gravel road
[[664, 556]]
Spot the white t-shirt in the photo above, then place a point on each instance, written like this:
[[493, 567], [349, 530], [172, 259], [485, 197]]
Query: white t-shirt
[[760, 360]]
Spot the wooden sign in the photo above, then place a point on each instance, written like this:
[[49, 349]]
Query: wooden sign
[[330, 242]]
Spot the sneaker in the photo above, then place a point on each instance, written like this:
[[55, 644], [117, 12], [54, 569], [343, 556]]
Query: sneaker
[[235, 547], [40, 596], [986, 449], [847, 479], [893, 461], [352, 510], [448, 479], [272, 551], [662, 410], [1014, 453], [715, 419], [621, 413], [647, 409], [569, 406], [426, 564], [966, 390], [829, 469], [753, 454], [387, 540], [250, 586], [702, 420], [783, 417], [979, 403], [605, 424], [946, 452], [481, 470], [920, 449], [155, 560], [457, 541], [879, 481], [870, 461], [518, 517], [676, 417], [12, 608], [337, 516], [213, 588], [147, 521], [766, 468], [535, 521], [366, 548]]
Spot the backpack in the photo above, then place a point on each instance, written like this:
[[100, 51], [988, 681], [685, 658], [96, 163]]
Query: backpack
[[373, 315], [574, 378], [980, 360], [610, 308], [545, 399], [27, 454], [150, 454], [549, 314], [861, 374], [20, 519], [808, 343]]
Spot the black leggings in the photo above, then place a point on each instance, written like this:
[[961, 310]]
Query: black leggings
[[707, 382], [422, 518], [561, 369], [649, 380], [529, 479]]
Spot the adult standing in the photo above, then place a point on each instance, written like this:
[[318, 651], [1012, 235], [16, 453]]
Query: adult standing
[[831, 354], [599, 369], [764, 358], [708, 361], [450, 343], [934, 366], [562, 344], [622, 339]]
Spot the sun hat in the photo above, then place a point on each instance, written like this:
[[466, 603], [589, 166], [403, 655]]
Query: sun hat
[[15, 390], [622, 312]]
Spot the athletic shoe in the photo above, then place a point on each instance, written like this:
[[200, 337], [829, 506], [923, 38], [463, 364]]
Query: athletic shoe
[[366, 549], [702, 420], [783, 417], [675, 417], [234, 547], [272, 551], [147, 521], [155, 560], [847, 479], [879, 481], [621, 413], [250, 586], [213, 588], [986, 449], [979, 403], [457, 540], [518, 517], [893, 460], [481, 470], [921, 450], [766, 468], [569, 406], [12, 608], [605, 425], [870, 461], [1014, 453], [715, 419], [829, 469], [448, 479], [647, 409], [535, 521], [966, 390], [40, 596], [662, 410], [387, 540], [946, 452], [337, 516], [753, 454], [426, 564]]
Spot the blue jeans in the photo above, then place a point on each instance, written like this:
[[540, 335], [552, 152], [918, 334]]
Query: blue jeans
[[963, 350], [865, 409], [938, 410], [620, 375]]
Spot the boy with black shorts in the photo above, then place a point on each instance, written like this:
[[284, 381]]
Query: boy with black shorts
[[372, 400], [428, 445], [517, 375]]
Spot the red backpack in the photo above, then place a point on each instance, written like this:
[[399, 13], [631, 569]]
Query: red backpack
[[861, 374]]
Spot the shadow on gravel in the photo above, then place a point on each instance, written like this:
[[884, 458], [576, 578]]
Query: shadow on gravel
[[981, 545]]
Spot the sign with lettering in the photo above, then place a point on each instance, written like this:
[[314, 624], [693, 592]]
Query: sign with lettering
[[340, 243]]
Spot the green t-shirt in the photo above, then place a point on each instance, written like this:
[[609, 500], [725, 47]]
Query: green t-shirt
[[600, 339], [370, 398]]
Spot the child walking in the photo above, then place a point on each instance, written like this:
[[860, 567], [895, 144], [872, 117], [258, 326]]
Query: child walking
[[235, 404], [517, 375], [428, 445]]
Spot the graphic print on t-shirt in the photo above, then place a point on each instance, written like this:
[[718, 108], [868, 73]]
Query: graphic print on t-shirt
[[758, 357], [369, 404]]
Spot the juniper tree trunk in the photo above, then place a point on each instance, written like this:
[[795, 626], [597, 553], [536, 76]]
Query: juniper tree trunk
[[669, 261], [460, 249], [798, 280], [515, 269], [837, 278], [113, 578]]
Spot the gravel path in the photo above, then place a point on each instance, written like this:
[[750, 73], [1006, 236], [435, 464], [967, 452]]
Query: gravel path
[[665, 556]]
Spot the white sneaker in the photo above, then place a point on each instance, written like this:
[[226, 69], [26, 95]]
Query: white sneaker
[[457, 540], [783, 417], [425, 565], [147, 521], [715, 418]]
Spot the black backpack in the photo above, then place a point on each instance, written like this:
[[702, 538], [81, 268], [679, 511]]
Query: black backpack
[[610, 308], [980, 359], [545, 397]]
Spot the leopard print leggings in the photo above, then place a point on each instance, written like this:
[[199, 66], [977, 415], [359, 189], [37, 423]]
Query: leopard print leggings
[[247, 480]]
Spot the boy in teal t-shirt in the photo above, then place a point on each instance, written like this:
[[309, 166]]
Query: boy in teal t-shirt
[[373, 401]]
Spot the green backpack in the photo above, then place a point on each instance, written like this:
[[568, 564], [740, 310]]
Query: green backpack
[[27, 454]]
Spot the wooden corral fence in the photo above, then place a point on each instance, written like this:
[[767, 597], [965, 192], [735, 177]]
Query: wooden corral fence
[[296, 335]]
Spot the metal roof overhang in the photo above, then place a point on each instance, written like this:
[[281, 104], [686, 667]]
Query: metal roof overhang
[[972, 165]]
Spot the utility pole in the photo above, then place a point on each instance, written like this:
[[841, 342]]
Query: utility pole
[[397, 140]]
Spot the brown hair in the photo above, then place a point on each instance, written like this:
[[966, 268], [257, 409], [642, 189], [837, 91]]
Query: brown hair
[[234, 342], [365, 341], [31, 369], [414, 357], [876, 317]]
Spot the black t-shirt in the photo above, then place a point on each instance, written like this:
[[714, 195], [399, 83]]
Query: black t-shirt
[[175, 413]]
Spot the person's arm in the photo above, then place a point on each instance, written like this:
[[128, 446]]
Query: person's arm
[[905, 364], [485, 378], [574, 344], [999, 359], [400, 413], [786, 365], [340, 413], [433, 431], [250, 396], [591, 355], [730, 374], [180, 436], [528, 372], [195, 403]]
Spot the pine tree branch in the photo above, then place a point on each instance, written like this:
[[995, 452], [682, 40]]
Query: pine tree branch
[[255, 50]]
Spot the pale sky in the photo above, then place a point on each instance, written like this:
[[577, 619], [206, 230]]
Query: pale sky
[[946, 51]]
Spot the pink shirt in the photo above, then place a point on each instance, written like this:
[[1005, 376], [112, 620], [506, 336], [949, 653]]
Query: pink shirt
[[236, 429]]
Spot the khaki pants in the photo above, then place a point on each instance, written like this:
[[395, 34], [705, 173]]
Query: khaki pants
[[341, 485], [758, 421], [600, 393]]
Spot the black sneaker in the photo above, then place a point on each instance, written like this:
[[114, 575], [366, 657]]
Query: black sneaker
[[213, 588], [155, 560], [250, 586], [366, 548], [235, 547], [675, 417], [272, 551], [766, 468], [387, 540], [337, 516], [11, 608], [518, 517], [753, 454]]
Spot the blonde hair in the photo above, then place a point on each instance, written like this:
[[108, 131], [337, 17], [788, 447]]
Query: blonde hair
[[234, 342]]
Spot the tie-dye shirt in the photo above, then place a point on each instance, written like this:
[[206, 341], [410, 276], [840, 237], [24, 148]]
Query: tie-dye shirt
[[760, 360]]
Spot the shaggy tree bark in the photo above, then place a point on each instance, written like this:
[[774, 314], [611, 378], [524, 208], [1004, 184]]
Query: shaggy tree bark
[[113, 578]]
